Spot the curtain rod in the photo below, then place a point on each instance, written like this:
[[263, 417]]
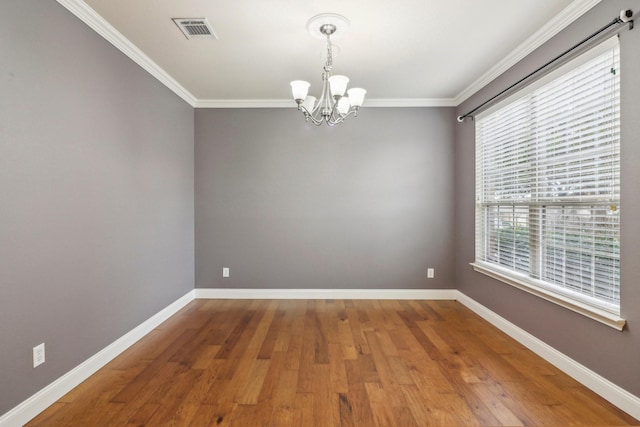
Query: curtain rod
[[624, 18]]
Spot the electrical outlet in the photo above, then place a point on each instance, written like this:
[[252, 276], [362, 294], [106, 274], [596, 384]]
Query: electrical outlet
[[225, 272], [430, 273], [38, 355]]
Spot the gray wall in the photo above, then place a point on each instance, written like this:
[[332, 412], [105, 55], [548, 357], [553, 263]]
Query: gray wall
[[96, 195], [284, 204], [614, 355], [97, 201]]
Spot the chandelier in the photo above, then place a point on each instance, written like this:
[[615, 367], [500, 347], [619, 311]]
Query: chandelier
[[333, 106]]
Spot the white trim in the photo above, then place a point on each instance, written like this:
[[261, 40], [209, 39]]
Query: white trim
[[96, 22], [568, 64], [245, 103], [389, 294], [568, 15], [600, 385], [90, 17], [411, 102], [31, 407], [289, 103], [44, 398], [604, 317]]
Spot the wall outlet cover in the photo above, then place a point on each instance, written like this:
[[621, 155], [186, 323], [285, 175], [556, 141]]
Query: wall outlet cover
[[38, 355]]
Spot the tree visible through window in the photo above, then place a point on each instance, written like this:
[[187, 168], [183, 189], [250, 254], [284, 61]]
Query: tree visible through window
[[548, 182]]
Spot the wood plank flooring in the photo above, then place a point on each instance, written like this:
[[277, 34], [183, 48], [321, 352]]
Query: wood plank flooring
[[328, 363]]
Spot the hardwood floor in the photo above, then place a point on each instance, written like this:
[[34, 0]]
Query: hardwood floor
[[328, 363]]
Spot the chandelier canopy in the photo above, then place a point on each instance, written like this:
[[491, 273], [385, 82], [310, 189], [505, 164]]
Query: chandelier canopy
[[333, 106]]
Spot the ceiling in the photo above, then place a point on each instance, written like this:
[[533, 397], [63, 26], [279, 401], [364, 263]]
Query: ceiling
[[408, 52]]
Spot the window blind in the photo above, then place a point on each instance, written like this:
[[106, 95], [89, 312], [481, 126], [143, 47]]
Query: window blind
[[548, 182]]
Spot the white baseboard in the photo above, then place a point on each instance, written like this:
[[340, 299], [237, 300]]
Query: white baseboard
[[48, 395], [418, 294], [44, 398], [600, 385]]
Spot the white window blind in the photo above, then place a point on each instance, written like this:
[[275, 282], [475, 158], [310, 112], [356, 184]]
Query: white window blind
[[548, 182]]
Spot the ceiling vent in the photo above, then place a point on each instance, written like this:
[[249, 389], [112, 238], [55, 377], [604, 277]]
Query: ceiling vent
[[195, 28]]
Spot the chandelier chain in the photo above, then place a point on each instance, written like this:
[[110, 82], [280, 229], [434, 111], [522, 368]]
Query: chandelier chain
[[334, 105], [329, 65]]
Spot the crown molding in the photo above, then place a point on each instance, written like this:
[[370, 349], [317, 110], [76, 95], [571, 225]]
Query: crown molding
[[568, 15], [97, 23], [288, 103], [411, 102], [245, 103]]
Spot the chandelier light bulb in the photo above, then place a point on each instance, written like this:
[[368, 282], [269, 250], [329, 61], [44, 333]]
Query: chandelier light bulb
[[338, 85], [333, 106], [356, 96], [309, 103], [299, 88], [343, 105]]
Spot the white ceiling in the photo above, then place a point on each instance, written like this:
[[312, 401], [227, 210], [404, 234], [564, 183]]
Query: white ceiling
[[407, 52]]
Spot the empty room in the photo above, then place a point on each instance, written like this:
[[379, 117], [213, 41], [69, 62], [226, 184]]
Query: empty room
[[303, 213]]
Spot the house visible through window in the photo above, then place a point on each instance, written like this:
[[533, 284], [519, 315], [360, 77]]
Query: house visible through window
[[548, 182]]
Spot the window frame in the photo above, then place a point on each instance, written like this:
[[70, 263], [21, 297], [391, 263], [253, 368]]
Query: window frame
[[522, 281]]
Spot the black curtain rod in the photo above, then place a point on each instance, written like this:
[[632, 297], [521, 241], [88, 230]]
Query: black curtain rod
[[624, 18]]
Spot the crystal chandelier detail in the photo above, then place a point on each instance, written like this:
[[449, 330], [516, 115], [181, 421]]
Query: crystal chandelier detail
[[333, 106]]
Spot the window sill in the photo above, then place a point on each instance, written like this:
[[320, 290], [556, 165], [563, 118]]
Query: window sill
[[601, 316]]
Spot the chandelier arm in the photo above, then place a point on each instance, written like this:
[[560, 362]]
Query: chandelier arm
[[315, 121], [336, 116], [341, 117], [337, 120], [333, 118], [326, 108], [310, 117]]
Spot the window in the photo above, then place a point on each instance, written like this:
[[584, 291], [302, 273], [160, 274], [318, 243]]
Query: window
[[548, 184]]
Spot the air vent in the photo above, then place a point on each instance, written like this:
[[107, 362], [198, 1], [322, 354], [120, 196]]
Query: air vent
[[195, 28]]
